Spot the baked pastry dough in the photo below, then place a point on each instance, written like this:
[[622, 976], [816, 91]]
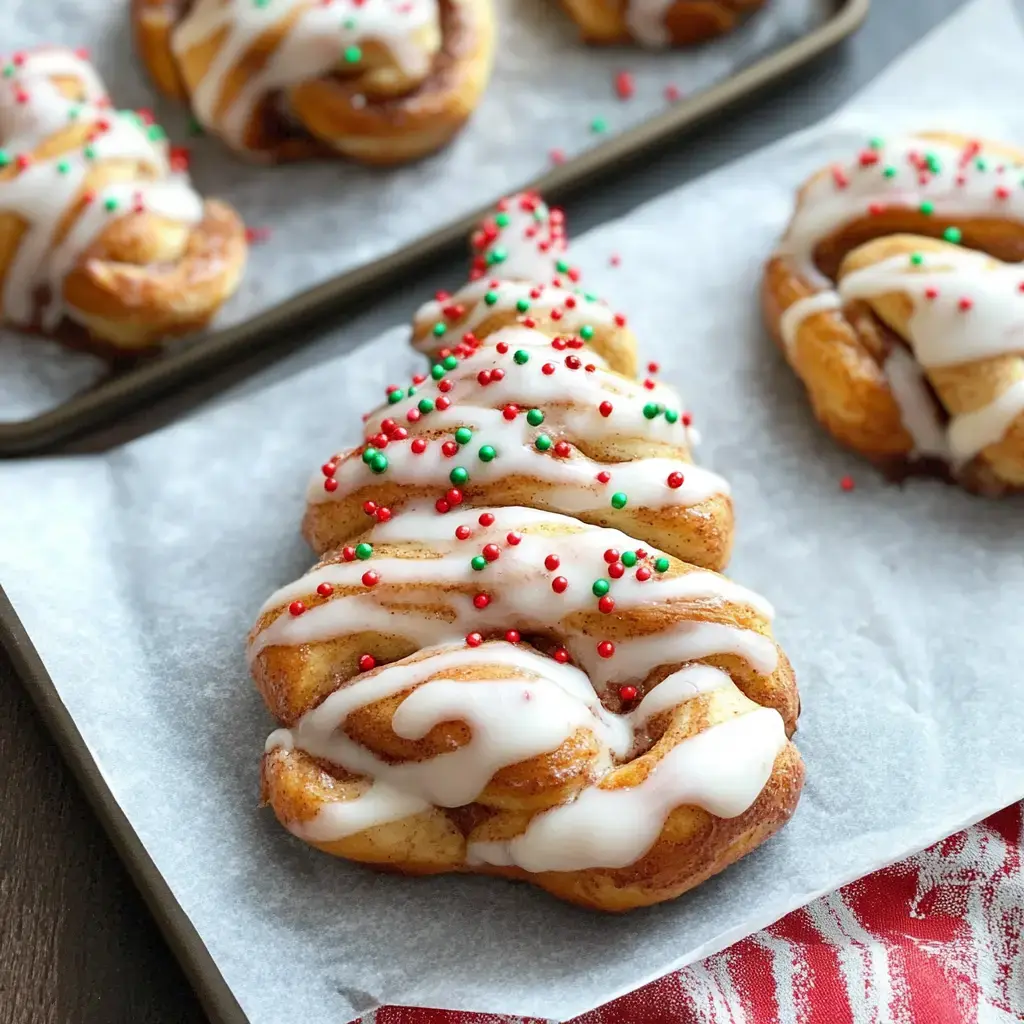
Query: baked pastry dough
[[509, 689], [613, 756], [98, 227], [896, 300], [381, 81], [521, 411], [657, 23]]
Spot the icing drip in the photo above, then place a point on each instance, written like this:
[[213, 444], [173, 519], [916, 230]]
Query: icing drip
[[32, 110], [318, 38], [941, 333], [573, 398], [531, 707], [519, 584], [794, 316], [646, 21]]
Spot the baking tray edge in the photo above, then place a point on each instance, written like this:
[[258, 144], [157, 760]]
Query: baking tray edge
[[120, 395], [216, 997]]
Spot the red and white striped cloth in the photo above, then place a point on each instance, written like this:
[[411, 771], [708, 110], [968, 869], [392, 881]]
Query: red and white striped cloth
[[936, 939]]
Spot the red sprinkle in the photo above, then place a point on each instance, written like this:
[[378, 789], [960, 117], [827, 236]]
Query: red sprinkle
[[445, 386], [552, 562], [649, 384], [965, 304], [672, 93], [931, 292], [474, 639], [561, 655], [412, 415], [624, 85], [675, 480], [557, 156], [366, 662], [491, 552], [616, 570], [348, 553], [606, 648], [442, 506], [481, 600], [370, 578], [483, 378], [454, 497], [839, 177], [605, 409], [449, 449], [486, 519], [419, 446], [442, 403], [296, 607], [510, 412], [325, 590], [498, 374], [643, 574], [653, 367], [463, 532], [846, 483], [369, 507], [606, 604], [329, 468], [512, 636], [559, 584], [627, 693], [514, 538], [548, 368], [604, 476], [383, 515], [562, 449]]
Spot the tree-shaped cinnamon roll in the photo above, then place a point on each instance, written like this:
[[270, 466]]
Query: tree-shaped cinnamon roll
[[897, 298], [381, 81], [505, 661], [656, 23], [99, 225]]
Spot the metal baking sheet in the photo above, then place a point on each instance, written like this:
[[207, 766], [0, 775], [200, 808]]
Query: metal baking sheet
[[287, 324]]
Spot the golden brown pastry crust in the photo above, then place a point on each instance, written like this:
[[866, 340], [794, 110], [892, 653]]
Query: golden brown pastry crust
[[685, 22], [140, 275], [373, 115], [840, 345]]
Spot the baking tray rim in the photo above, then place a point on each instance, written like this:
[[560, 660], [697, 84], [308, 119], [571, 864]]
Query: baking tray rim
[[113, 398]]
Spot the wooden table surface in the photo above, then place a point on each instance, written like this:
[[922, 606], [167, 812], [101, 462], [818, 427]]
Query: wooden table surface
[[77, 945]]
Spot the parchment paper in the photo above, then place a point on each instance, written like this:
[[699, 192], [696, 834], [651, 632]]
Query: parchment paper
[[326, 218], [138, 573]]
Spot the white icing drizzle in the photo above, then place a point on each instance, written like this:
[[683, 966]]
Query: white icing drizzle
[[314, 44], [942, 334], [793, 316], [41, 194], [917, 408], [957, 182], [412, 598], [531, 707], [572, 399], [646, 20]]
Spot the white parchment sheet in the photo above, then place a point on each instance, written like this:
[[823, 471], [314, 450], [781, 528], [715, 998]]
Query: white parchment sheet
[[326, 218], [139, 572]]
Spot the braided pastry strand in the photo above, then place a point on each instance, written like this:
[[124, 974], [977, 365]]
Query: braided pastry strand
[[895, 299], [657, 23], [522, 412], [661, 762], [380, 81], [99, 225]]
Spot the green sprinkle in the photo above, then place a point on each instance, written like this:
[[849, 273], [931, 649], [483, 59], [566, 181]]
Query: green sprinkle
[[619, 500], [260, 3], [426, 405], [5, 158], [599, 125], [363, 551], [487, 453], [379, 463], [90, 152], [194, 127], [395, 396], [628, 559], [63, 167], [671, 415], [933, 163], [368, 455], [459, 475], [590, 296], [651, 410], [74, 113], [478, 562], [543, 442], [875, 142], [535, 417], [8, 70], [952, 235], [916, 259], [501, 220], [349, 24], [522, 305], [498, 255], [449, 362], [437, 371], [491, 298], [889, 172], [521, 356], [155, 133], [439, 329], [411, 391], [927, 208], [463, 435], [586, 332], [601, 587], [353, 55], [981, 164], [110, 204], [562, 267], [661, 565]]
